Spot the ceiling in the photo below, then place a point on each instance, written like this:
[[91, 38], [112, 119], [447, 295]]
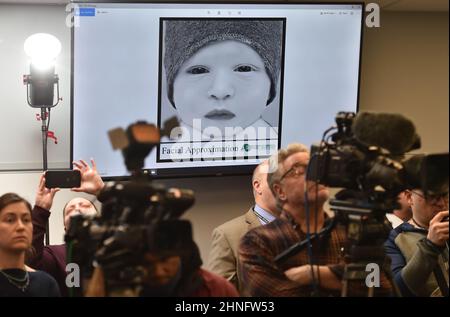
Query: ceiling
[[388, 5]]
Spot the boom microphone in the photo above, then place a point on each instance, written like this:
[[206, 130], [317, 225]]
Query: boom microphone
[[392, 132]]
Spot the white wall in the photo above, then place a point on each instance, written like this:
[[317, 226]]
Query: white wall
[[404, 69], [20, 132]]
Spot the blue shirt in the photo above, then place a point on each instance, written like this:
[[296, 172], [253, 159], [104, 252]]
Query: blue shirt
[[264, 216]]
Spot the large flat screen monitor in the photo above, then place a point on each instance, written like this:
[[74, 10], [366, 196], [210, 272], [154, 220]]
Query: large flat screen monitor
[[242, 79]]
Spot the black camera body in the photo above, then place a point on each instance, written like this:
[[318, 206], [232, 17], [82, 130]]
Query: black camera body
[[369, 164], [132, 213]]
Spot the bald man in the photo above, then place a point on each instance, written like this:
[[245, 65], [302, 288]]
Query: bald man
[[226, 237]]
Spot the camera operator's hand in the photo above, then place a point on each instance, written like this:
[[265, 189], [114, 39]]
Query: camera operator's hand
[[91, 182], [438, 230], [44, 195], [303, 276]]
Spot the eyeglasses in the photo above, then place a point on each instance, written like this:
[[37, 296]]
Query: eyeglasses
[[432, 199], [296, 170]]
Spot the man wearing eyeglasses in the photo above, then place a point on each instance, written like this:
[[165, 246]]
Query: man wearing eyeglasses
[[259, 273], [419, 248]]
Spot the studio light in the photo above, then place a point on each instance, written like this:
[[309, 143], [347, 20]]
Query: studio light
[[42, 48]]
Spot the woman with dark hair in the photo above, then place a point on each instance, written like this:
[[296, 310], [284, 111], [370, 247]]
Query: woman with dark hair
[[16, 232]]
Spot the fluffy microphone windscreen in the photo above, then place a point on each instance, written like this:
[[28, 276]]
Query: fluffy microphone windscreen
[[393, 132]]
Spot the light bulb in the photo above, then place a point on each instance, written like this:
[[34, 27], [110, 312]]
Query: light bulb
[[42, 48]]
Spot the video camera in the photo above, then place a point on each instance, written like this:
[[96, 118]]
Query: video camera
[[133, 212], [365, 155]]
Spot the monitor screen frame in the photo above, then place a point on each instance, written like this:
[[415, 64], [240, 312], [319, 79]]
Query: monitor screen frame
[[211, 171]]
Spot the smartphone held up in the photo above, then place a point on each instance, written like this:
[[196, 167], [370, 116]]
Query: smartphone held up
[[62, 179]]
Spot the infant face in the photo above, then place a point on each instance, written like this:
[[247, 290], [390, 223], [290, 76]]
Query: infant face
[[224, 84]]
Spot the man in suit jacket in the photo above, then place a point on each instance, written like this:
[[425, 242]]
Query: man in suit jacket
[[226, 237]]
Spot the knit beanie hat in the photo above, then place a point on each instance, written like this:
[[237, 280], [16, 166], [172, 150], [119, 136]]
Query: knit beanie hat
[[183, 38]]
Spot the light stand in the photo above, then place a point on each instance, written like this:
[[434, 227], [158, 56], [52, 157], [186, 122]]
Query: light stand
[[40, 94]]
